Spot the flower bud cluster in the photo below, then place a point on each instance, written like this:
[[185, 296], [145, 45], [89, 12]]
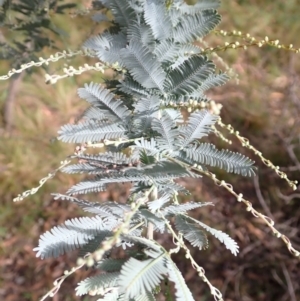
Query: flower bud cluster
[[53, 58], [248, 41]]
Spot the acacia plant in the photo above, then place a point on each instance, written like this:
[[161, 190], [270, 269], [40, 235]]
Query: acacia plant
[[149, 125]]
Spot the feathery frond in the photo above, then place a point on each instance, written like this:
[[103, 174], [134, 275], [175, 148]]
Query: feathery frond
[[138, 277], [109, 211], [147, 296], [150, 244], [182, 293], [107, 46], [166, 50], [206, 153], [188, 77], [145, 109], [191, 232], [196, 26], [166, 127], [121, 10], [199, 125], [143, 67], [100, 181], [106, 158], [112, 295], [182, 208], [165, 169], [168, 186], [214, 80], [157, 204], [90, 131], [94, 243], [98, 284], [224, 238], [159, 224], [158, 19], [147, 105], [184, 53], [148, 146], [132, 87], [73, 234], [175, 115], [174, 54], [83, 168], [92, 113], [86, 187], [104, 99], [143, 33], [110, 264], [137, 5]]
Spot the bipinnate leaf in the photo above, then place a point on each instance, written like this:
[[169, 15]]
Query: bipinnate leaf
[[148, 146], [182, 208], [191, 232], [73, 234], [166, 127], [90, 131], [149, 217], [158, 19], [187, 77], [138, 277], [97, 284], [207, 154], [110, 264], [122, 11], [199, 125], [107, 46], [143, 67], [158, 203], [182, 293], [224, 238], [214, 80], [196, 26], [99, 96], [143, 33]]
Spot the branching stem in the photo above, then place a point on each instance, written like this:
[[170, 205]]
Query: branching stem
[[105, 246], [201, 272]]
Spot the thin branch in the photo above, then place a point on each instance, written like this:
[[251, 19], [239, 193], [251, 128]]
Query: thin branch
[[32, 191], [278, 279], [289, 282], [261, 198], [245, 143], [150, 229], [178, 241], [249, 207], [53, 58], [290, 150], [287, 198]]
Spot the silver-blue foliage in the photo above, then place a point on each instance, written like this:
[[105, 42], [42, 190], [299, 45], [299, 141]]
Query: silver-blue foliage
[[148, 142]]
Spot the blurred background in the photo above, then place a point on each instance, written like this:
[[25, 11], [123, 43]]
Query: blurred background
[[264, 105]]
